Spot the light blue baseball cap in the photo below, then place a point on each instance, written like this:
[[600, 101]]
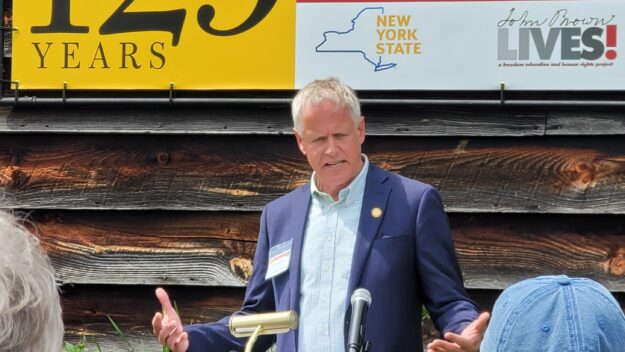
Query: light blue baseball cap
[[555, 314]]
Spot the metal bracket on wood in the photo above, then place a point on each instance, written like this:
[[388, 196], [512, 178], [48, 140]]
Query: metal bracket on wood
[[502, 89], [17, 91], [17, 87], [171, 93], [64, 93]]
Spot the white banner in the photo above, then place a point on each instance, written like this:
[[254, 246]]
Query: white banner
[[462, 45]]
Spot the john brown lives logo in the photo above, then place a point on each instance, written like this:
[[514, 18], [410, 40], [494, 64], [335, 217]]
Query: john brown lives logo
[[558, 37]]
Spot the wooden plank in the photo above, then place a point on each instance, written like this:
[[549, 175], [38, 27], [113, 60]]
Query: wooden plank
[[86, 307], [183, 248], [207, 120], [496, 251], [546, 175], [428, 121], [269, 120], [584, 121], [149, 172], [87, 304], [550, 175], [212, 248]]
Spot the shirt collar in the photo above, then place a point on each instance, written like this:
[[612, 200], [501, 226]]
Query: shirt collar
[[348, 194]]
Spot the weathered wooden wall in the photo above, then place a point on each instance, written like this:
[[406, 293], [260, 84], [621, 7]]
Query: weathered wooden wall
[[126, 199]]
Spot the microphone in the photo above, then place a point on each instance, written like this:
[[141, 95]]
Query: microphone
[[269, 323], [361, 299]]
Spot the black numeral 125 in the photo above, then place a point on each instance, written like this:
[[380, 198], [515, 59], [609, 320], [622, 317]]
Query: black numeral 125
[[166, 21]]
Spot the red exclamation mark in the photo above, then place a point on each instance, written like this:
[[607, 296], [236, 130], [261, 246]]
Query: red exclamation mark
[[610, 42]]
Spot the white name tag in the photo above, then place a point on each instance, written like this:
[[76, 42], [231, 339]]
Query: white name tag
[[279, 259]]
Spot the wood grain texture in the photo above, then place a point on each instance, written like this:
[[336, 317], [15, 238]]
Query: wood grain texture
[[213, 248], [183, 248], [584, 121], [148, 172], [86, 307], [537, 175], [86, 304], [268, 120], [452, 121], [497, 251]]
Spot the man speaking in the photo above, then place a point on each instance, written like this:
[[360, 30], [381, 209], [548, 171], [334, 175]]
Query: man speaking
[[353, 225]]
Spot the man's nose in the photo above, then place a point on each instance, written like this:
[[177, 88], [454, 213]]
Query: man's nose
[[330, 147]]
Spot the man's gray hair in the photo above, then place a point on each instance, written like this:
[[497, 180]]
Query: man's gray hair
[[30, 311], [318, 91]]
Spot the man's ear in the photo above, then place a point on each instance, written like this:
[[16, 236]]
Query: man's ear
[[361, 130], [298, 138]]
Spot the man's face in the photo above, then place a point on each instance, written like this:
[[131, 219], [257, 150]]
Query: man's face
[[331, 142]]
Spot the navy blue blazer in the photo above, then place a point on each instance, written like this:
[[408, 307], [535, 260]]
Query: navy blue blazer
[[405, 258]]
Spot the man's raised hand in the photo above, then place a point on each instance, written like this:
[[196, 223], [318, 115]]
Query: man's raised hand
[[167, 326]]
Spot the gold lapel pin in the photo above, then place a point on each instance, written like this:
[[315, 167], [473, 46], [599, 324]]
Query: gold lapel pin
[[376, 212]]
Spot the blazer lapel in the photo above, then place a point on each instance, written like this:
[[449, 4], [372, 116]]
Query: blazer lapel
[[376, 196]]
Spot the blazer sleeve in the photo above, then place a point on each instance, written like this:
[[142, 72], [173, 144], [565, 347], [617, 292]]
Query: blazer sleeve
[[259, 298], [441, 279]]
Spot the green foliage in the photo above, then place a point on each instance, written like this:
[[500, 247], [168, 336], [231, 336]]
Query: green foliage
[[425, 315], [81, 346], [120, 333]]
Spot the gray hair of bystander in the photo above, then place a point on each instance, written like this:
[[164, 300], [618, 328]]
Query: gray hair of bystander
[[30, 311]]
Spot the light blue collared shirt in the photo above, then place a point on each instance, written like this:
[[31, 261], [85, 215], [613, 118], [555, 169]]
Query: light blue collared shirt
[[327, 253]]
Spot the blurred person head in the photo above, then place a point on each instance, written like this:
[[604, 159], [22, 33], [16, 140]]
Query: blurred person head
[[555, 313], [30, 311]]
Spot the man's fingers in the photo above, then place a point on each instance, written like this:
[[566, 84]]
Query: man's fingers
[[177, 338], [434, 348], [482, 322], [457, 340], [168, 329], [163, 297], [156, 323], [439, 345], [173, 341], [182, 343]]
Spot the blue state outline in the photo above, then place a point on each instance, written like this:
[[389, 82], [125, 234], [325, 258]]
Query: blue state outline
[[377, 66]]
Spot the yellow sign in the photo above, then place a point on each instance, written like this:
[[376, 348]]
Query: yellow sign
[[148, 44]]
